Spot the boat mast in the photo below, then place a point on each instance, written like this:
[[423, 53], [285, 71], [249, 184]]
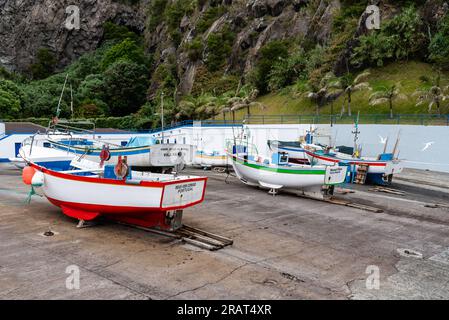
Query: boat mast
[[58, 110], [162, 116], [71, 99], [397, 143], [356, 133]]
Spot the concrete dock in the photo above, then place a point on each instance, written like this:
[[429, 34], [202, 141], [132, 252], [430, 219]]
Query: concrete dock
[[285, 247]]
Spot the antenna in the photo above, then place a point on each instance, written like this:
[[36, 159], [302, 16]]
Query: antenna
[[71, 99], [58, 110], [356, 132]]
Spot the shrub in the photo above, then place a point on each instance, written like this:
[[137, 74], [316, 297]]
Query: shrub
[[125, 84], [399, 38], [219, 47], [286, 71], [10, 99], [156, 13], [127, 50], [270, 53], [114, 32], [44, 65], [208, 18], [439, 45], [195, 49]]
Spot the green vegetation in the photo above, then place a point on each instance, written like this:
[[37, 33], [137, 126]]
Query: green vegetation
[[412, 77], [219, 47], [439, 45], [273, 51], [400, 38], [10, 98], [206, 20], [44, 65], [401, 68]]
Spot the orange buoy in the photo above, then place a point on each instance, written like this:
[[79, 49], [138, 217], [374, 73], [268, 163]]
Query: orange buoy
[[27, 175]]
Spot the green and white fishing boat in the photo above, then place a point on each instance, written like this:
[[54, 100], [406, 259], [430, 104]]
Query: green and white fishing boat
[[276, 172]]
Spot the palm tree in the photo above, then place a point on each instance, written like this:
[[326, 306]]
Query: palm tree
[[348, 84], [387, 94], [432, 95], [318, 96], [186, 109], [225, 109]]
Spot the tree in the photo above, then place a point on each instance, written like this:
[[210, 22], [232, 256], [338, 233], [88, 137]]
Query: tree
[[286, 71], [271, 52], [125, 85], [323, 92], [127, 50], [387, 94], [219, 48], [91, 88], [348, 84], [44, 65], [224, 110], [432, 95], [10, 99], [439, 44], [399, 38], [317, 95]]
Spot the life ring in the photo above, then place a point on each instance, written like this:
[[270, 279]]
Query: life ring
[[121, 169], [105, 155]]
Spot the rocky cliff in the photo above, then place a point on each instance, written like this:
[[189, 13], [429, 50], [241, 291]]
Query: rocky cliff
[[28, 25], [178, 32]]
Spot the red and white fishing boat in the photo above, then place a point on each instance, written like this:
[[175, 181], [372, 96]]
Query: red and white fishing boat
[[143, 199], [380, 170]]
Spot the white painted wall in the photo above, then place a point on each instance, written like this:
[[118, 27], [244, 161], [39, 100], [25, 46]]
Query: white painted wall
[[413, 139], [213, 138]]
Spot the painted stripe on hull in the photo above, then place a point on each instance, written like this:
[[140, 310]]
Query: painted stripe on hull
[[350, 161], [104, 209], [281, 170], [96, 152]]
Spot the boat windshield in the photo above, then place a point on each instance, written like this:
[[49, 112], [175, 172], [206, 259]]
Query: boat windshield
[[141, 142]]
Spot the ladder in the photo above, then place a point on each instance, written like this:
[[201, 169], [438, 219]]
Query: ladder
[[362, 172]]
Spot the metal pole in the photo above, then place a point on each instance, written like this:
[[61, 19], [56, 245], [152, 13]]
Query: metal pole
[[58, 110], [162, 116], [71, 100]]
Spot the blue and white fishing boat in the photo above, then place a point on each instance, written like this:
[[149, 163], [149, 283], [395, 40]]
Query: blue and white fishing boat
[[137, 150]]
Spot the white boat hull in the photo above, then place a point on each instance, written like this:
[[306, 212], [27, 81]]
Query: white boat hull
[[209, 160], [277, 177], [141, 202]]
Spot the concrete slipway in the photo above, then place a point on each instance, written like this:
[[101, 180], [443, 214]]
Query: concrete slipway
[[285, 247]]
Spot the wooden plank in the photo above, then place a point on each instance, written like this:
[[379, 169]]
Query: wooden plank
[[388, 190]]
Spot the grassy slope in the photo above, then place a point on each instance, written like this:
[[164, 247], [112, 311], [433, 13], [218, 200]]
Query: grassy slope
[[406, 73]]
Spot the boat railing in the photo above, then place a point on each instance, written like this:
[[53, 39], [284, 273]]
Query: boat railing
[[248, 148], [64, 126]]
